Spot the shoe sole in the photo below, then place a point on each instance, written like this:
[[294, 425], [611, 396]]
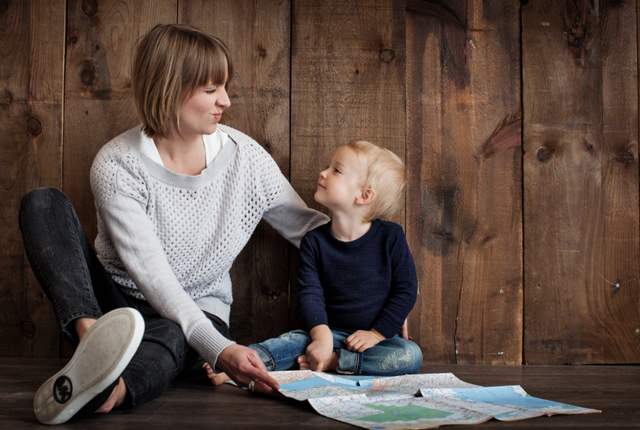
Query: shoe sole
[[100, 358]]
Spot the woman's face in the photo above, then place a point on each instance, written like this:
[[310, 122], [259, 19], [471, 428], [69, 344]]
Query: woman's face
[[202, 110]]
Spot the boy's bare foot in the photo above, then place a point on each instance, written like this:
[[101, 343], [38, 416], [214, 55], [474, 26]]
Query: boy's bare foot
[[333, 364], [215, 378]]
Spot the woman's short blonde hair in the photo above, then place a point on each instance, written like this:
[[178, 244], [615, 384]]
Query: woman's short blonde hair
[[385, 176], [170, 62]]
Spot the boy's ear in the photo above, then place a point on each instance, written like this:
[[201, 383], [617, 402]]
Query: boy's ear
[[366, 197]]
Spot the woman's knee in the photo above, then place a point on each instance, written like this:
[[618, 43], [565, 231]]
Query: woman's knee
[[38, 201], [41, 198]]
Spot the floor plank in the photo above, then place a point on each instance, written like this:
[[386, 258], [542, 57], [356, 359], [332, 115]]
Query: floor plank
[[192, 403]]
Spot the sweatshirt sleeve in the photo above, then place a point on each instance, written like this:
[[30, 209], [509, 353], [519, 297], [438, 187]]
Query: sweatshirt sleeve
[[286, 212], [404, 288], [120, 200], [311, 305]]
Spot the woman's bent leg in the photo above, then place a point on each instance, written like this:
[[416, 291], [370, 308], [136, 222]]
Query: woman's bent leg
[[62, 260]]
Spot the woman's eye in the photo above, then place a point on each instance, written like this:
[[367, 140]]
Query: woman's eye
[[211, 91]]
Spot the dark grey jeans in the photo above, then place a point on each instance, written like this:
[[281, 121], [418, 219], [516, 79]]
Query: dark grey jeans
[[77, 285]]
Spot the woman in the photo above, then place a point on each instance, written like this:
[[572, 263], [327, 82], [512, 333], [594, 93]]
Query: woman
[[177, 199]]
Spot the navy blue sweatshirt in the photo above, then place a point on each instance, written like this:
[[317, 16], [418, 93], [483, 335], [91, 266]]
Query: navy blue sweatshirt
[[368, 283]]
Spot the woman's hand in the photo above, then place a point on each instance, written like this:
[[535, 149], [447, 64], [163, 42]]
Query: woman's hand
[[243, 365], [362, 340]]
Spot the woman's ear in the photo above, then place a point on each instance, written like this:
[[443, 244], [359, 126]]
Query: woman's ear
[[366, 197]]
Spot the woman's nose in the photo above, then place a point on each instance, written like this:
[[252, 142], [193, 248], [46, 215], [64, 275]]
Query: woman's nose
[[224, 100]]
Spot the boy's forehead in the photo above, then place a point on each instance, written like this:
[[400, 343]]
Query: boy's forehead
[[347, 156]]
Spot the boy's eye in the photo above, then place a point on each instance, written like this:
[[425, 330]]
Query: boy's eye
[[336, 170]]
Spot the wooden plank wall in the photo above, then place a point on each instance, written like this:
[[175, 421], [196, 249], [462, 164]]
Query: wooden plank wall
[[517, 120]]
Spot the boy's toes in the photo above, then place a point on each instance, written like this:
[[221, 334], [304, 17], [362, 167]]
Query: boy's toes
[[303, 363], [218, 378]]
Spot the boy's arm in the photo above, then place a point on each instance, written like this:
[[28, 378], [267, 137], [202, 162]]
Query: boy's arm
[[311, 304], [403, 289]]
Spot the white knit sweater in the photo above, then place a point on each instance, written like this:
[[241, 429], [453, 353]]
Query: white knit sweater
[[171, 239]]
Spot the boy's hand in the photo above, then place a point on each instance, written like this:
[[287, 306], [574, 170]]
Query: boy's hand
[[319, 356], [362, 340]]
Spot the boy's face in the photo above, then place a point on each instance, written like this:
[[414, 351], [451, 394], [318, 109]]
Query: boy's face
[[342, 181]]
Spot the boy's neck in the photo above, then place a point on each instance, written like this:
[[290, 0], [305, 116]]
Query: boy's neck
[[347, 228]]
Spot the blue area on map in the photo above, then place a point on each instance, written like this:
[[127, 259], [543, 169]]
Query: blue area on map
[[350, 382], [506, 396]]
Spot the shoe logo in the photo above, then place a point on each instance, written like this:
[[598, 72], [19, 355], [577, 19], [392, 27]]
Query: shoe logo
[[62, 389]]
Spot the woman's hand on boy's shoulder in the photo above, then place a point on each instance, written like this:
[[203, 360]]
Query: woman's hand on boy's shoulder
[[361, 340]]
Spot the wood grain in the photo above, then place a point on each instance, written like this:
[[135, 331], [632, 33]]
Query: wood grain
[[31, 85], [464, 200], [581, 182]]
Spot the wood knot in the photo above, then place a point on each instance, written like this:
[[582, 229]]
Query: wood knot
[[6, 98], [88, 73], [624, 156], [28, 328], [591, 149], [90, 7], [34, 126], [387, 55], [544, 153], [262, 51]]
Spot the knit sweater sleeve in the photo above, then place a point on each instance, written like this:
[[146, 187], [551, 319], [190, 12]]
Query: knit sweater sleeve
[[120, 196], [285, 211]]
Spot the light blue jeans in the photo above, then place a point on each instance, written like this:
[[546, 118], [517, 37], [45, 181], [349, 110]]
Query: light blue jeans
[[393, 356]]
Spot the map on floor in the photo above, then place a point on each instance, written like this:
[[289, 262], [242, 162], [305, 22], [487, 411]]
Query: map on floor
[[413, 401]]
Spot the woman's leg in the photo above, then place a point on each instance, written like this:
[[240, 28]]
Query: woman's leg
[[63, 262], [68, 271], [281, 353], [391, 357]]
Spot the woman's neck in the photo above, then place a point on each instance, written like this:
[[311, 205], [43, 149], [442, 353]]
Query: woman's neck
[[182, 154], [347, 228]]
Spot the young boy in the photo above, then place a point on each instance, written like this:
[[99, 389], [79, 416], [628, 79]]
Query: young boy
[[357, 278]]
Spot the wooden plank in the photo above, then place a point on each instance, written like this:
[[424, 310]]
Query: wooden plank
[[464, 200], [31, 85], [98, 100], [581, 182], [258, 36], [347, 83]]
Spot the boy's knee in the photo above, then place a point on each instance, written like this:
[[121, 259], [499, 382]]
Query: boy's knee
[[407, 358], [414, 354]]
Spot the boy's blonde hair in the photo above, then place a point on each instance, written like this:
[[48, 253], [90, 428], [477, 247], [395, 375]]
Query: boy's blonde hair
[[170, 62], [385, 175]]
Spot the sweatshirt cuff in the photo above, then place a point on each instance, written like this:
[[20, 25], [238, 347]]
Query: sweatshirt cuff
[[312, 322], [386, 329], [208, 341]]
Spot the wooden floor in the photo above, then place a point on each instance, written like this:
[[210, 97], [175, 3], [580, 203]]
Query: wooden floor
[[192, 404]]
